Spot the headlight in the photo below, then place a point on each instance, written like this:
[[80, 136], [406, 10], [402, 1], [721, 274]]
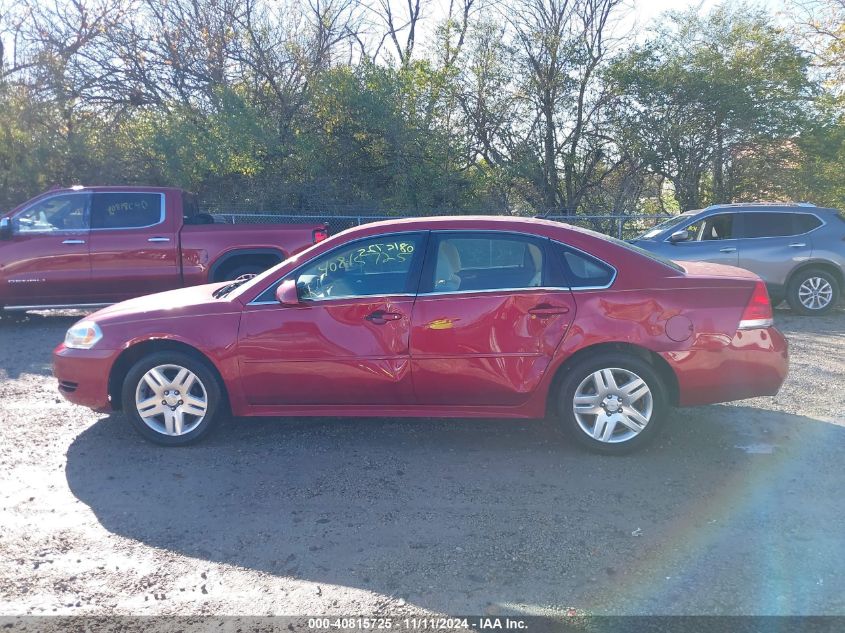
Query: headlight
[[83, 335]]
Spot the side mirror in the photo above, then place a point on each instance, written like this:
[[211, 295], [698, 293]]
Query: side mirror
[[679, 236], [5, 228], [286, 293]]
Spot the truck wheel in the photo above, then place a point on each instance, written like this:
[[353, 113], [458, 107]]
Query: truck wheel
[[171, 398], [813, 292], [614, 403], [244, 269]]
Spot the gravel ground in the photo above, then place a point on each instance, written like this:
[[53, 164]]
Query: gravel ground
[[737, 509]]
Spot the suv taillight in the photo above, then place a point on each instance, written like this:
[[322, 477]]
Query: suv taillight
[[758, 311], [320, 235]]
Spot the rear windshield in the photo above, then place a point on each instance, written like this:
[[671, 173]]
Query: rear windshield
[[638, 250]]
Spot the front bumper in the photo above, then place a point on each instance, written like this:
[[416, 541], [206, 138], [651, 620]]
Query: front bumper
[[83, 375], [754, 363]]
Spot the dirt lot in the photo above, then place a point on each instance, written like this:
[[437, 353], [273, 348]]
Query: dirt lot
[[738, 509]]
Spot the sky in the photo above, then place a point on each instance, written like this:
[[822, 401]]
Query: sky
[[635, 19], [640, 13], [647, 10]]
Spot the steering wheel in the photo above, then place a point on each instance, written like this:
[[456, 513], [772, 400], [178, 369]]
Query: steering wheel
[[313, 287], [337, 287]]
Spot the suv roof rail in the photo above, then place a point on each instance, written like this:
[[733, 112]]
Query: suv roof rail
[[734, 205]]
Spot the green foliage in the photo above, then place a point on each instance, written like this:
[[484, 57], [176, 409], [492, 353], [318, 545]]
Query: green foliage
[[519, 115], [705, 93], [818, 172]]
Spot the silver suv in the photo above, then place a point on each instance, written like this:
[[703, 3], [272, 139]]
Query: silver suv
[[797, 249]]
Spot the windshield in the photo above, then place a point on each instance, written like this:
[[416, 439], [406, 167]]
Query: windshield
[[270, 272], [666, 224]]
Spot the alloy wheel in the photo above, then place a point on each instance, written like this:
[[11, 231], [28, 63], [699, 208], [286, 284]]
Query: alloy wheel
[[815, 293], [613, 405], [171, 400]]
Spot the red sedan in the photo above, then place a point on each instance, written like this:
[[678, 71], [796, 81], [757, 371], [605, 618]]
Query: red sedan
[[458, 317]]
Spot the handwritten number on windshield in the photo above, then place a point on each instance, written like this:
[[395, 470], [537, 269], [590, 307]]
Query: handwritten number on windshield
[[373, 256]]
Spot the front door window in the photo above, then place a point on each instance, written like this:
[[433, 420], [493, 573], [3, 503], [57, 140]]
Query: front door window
[[66, 212], [379, 266], [714, 227]]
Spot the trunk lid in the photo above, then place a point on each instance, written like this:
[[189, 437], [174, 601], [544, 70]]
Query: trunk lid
[[707, 269]]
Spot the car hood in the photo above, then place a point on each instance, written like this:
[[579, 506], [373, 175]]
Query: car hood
[[708, 269], [184, 302]]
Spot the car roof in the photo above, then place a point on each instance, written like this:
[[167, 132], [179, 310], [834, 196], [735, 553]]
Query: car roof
[[537, 226], [110, 188]]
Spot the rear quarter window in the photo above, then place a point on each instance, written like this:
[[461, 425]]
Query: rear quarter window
[[582, 270], [805, 222], [636, 249]]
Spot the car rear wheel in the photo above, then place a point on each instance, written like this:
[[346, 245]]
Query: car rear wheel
[[171, 398], [813, 292], [613, 403]]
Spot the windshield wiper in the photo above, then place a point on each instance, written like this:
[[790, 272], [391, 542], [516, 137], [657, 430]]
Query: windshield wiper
[[225, 290]]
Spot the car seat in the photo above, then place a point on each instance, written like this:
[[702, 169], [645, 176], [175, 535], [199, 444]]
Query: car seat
[[537, 260], [446, 276]]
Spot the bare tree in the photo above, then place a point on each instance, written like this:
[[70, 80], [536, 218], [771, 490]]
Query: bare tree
[[540, 114], [562, 44], [397, 21], [820, 26], [454, 31]]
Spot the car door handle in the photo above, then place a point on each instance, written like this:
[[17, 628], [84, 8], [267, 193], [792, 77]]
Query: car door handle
[[159, 239], [380, 317], [547, 310], [73, 242], [729, 249], [797, 245]]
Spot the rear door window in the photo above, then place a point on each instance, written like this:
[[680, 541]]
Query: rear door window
[[130, 210], [486, 261], [768, 225]]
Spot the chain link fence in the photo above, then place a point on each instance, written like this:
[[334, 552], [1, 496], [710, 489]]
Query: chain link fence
[[620, 226]]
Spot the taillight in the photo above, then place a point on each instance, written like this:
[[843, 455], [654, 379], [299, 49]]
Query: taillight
[[320, 235], [758, 311]]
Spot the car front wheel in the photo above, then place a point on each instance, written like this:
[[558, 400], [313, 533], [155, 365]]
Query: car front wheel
[[171, 398], [813, 292], [613, 403]]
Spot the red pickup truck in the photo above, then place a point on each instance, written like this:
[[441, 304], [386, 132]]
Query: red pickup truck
[[92, 246]]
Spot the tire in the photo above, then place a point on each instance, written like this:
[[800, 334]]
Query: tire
[[243, 269], [813, 292], [626, 369], [159, 422]]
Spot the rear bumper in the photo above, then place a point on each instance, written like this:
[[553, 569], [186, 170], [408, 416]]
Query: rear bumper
[[83, 376], [754, 363]]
